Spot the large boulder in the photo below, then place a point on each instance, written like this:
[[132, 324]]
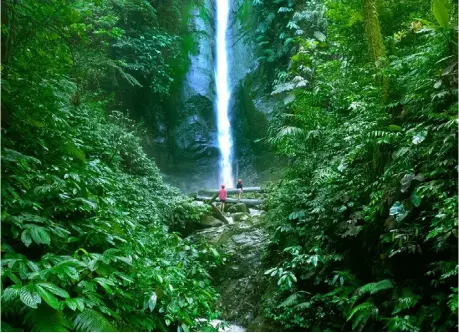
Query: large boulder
[[210, 222], [238, 208], [240, 216]]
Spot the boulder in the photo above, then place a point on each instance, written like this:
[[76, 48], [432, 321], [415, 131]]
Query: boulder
[[238, 208], [240, 216], [210, 221], [255, 212]]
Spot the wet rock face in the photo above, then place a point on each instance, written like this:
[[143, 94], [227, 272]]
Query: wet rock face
[[196, 153], [251, 104], [240, 216], [240, 281], [210, 221], [195, 131], [188, 154], [239, 207]]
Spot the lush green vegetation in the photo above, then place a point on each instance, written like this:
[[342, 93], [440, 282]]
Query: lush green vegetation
[[364, 222], [366, 218], [85, 214]]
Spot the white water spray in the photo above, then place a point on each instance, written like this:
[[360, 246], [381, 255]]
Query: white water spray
[[225, 141]]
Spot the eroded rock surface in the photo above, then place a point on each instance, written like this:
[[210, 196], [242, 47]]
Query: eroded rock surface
[[240, 281]]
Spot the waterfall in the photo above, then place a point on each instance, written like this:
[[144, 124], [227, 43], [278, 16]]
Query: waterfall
[[225, 141]]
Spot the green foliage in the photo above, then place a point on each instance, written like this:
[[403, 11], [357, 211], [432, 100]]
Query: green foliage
[[361, 314], [87, 221], [365, 217], [92, 321], [441, 10], [279, 24], [374, 287]]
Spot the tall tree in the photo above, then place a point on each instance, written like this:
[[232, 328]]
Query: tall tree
[[375, 40], [373, 29]]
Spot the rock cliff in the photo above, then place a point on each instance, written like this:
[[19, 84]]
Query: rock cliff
[[187, 150]]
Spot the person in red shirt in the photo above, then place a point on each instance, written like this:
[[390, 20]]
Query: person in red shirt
[[222, 196]]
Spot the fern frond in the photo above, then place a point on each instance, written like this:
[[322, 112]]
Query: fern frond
[[290, 131], [374, 287], [286, 132], [361, 314], [290, 301], [324, 176], [303, 306], [46, 319], [452, 303], [10, 155], [92, 321], [397, 324], [406, 301]]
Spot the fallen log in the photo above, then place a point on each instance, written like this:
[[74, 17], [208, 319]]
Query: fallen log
[[248, 202], [215, 211], [219, 215], [211, 199], [231, 190]]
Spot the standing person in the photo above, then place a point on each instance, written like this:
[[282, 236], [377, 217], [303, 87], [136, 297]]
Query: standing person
[[222, 196], [239, 189]]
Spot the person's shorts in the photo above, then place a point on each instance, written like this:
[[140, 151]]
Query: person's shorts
[[223, 200], [239, 190]]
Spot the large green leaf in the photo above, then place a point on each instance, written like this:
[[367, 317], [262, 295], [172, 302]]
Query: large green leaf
[[75, 303], [39, 235], [441, 10], [76, 152], [26, 238], [10, 293], [48, 297], [416, 199], [152, 301], [54, 289], [29, 296]]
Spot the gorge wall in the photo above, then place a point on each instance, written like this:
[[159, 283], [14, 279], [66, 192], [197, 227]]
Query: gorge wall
[[185, 142]]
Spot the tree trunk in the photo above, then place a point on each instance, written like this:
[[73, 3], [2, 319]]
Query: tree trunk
[[230, 190], [219, 215], [248, 202], [5, 37], [373, 29], [375, 39]]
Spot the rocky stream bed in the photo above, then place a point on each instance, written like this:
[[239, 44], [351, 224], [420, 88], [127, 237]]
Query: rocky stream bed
[[240, 281]]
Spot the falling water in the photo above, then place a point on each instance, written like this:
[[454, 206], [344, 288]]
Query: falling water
[[225, 141]]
